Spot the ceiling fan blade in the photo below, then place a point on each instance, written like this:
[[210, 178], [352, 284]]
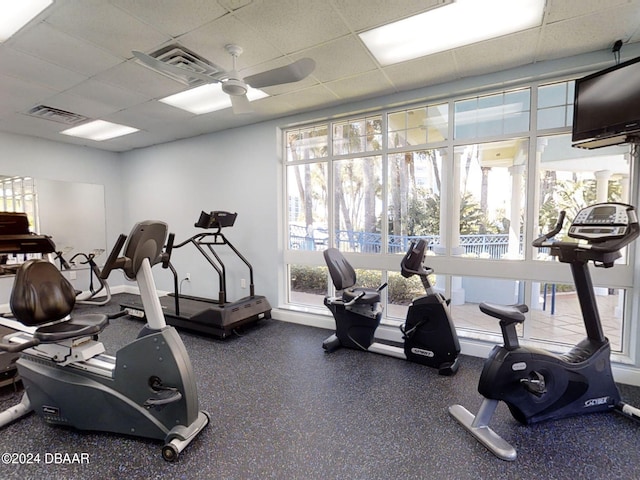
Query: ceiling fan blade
[[185, 73], [240, 104], [293, 72]]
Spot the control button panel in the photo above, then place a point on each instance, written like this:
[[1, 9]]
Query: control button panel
[[603, 221]]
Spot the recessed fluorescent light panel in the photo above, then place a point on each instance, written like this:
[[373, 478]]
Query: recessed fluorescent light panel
[[462, 22], [207, 98], [99, 130], [17, 13]]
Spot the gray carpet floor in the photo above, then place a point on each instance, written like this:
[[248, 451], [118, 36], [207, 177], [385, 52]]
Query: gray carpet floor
[[281, 408]]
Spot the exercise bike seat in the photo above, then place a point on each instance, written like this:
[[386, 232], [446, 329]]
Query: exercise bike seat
[[343, 277], [360, 295], [43, 297], [507, 314]]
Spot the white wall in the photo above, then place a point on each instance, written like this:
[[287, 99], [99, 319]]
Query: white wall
[[38, 158], [236, 170]]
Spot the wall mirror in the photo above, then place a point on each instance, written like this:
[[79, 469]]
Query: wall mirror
[[71, 213]]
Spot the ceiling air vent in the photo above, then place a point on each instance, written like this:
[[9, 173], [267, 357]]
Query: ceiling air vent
[[57, 115], [179, 56]]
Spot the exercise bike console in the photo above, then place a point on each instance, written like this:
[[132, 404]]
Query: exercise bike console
[[538, 385]]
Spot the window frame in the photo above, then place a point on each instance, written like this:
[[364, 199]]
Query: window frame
[[447, 264]]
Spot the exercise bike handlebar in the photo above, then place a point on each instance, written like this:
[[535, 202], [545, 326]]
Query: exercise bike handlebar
[[542, 241], [166, 256], [605, 246], [113, 261]]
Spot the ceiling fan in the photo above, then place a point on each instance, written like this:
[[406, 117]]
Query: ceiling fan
[[232, 83]]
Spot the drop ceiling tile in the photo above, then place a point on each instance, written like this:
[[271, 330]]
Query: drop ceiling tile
[[424, 71], [35, 70], [317, 96], [136, 77], [559, 10], [47, 43], [294, 25], [210, 40], [497, 54], [344, 57], [104, 25], [361, 15], [271, 106], [173, 17], [362, 86], [201, 124], [149, 115], [115, 97], [18, 95], [597, 31]]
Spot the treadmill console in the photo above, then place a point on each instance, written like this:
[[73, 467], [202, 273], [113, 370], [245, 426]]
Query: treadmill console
[[602, 222]]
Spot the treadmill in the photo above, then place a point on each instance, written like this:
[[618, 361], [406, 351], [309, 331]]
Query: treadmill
[[15, 238], [218, 317]]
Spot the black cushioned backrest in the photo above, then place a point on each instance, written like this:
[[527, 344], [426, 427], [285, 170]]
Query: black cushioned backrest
[[40, 294], [342, 273]]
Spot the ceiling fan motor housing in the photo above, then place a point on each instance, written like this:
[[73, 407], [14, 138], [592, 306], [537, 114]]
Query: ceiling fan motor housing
[[234, 87]]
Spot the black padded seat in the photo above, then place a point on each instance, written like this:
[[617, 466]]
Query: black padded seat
[[343, 277], [79, 326], [44, 298], [370, 295], [507, 313]]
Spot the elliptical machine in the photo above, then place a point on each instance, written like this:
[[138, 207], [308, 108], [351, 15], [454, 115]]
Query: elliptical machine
[[148, 389], [538, 385], [429, 335]]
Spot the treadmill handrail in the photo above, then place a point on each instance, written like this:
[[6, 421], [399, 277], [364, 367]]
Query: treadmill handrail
[[199, 240]]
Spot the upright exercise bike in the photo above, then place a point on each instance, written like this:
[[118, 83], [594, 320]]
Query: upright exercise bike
[[147, 390], [538, 385], [429, 334]]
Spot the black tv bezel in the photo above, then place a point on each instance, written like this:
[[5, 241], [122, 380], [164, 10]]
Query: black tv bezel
[[617, 130]]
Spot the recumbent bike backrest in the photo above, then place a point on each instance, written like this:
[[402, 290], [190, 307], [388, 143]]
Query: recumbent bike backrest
[[41, 294], [342, 273]]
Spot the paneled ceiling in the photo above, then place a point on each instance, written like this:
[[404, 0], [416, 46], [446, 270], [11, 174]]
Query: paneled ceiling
[[76, 57]]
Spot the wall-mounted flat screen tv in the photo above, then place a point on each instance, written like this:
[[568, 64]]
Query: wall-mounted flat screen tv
[[606, 109]]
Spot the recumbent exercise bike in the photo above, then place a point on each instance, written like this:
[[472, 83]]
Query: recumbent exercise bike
[[429, 335], [536, 384], [147, 390]]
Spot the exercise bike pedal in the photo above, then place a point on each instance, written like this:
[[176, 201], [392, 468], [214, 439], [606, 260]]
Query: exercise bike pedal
[[164, 397], [535, 383]]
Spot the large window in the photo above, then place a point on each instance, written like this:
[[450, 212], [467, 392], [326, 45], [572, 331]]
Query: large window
[[479, 177], [492, 196], [413, 192], [18, 194]]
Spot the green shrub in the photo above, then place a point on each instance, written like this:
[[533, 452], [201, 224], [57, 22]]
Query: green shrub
[[308, 279], [314, 280]]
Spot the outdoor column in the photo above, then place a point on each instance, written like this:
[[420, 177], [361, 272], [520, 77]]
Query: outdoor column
[[457, 292], [536, 298], [513, 248], [602, 185], [451, 190], [624, 188]]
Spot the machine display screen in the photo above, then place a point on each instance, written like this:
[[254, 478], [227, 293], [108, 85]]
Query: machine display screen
[[599, 214]]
